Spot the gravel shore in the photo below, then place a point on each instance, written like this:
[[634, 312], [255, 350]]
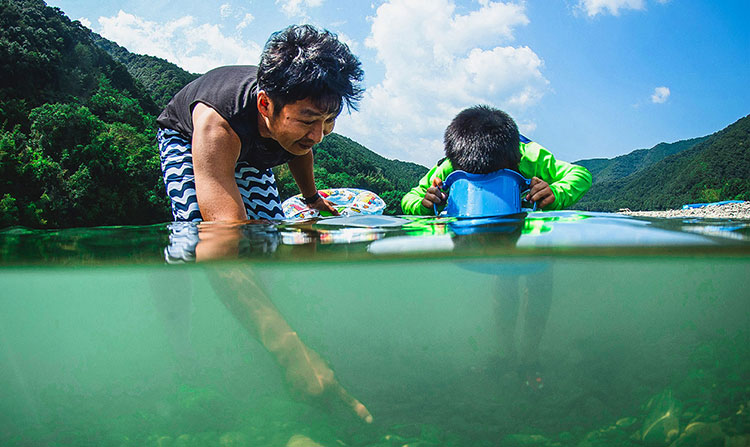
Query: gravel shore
[[727, 211]]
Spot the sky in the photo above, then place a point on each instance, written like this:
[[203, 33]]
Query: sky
[[584, 78]]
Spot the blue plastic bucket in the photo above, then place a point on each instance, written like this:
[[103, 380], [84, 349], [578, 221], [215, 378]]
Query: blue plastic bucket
[[484, 195]]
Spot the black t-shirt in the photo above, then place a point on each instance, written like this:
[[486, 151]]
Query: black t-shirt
[[231, 91]]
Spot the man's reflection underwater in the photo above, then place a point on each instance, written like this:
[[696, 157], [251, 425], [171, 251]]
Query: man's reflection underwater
[[307, 374]]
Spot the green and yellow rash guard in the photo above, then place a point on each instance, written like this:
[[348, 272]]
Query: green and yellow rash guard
[[568, 182]]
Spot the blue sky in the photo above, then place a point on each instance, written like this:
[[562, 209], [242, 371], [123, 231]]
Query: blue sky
[[585, 78]]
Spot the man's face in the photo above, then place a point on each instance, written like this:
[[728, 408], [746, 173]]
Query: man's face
[[298, 126]]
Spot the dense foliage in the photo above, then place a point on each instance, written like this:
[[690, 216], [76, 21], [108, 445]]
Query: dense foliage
[[160, 78], [76, 130], [46, 58], [605, 169], [707, 169]]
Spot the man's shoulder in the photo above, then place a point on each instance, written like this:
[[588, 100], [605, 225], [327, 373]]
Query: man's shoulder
[[232, 71]]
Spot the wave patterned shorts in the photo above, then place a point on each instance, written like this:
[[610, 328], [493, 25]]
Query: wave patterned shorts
[[257, 187]]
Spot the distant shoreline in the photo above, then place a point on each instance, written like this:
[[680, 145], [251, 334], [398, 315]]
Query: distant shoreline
[[727, 211]]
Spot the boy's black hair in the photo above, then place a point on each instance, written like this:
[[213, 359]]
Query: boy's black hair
[[481, 140], [301, 62]]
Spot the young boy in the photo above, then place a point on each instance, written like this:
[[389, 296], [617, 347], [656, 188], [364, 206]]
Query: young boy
[[481, 140]]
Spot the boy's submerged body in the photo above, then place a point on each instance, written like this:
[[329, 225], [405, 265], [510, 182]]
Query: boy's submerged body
[[481, 140]]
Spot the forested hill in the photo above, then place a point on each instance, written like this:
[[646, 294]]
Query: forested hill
[[77, 129], [708, 169], [46, 58], [608, 169], [161, 79]]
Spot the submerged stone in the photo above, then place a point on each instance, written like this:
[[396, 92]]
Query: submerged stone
[[737, 441], [233, 439], [302, 441], [626, 422], [520, 440], [661, 425], [164, 441], [183, 441], [700, 434]]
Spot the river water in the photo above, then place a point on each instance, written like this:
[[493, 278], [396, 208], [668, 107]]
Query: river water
[[560, 329]]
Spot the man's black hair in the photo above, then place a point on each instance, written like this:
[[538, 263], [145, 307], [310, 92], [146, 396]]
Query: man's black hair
[[481, 140], [301, 62]]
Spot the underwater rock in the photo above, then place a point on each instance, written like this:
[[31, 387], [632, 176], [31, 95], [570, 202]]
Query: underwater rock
[[164, 441], [700, 434], [661, 425], [407, 430], [603, 437], [626, 422], [393, 439], [183, 441], [738, 441], [302, 441], [519, 440], [206, 439], [233, 439]]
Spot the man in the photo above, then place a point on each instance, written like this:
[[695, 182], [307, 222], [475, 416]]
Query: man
[[221, 134], [219, 137]]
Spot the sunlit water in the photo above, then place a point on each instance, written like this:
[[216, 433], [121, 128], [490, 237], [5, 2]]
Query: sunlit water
[[563, 329]]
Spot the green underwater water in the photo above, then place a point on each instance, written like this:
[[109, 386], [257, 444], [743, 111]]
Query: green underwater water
[[638, 331]]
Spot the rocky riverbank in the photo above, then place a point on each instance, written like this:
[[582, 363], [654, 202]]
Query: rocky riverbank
[[726, 211]]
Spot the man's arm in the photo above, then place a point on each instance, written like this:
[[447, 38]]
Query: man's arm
[[216, 148], [301, 168], [307, 373]]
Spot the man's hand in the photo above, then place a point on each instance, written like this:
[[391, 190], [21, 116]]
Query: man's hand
[[311, 379], [434, 196], [540, 193], [323, 205]]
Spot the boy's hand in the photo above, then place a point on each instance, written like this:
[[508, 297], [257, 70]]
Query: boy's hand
[[434, 196], [540, 193]]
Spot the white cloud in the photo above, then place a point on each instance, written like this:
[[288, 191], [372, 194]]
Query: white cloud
[[438, 62], [297, 8], [225, 10], [594, 7], [193, 46], [245, 21], [660, 95]]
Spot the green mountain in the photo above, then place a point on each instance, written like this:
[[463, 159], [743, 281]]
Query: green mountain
[[76, 130], [161, 79], [46, 58], [606, 169], [712, 168]]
